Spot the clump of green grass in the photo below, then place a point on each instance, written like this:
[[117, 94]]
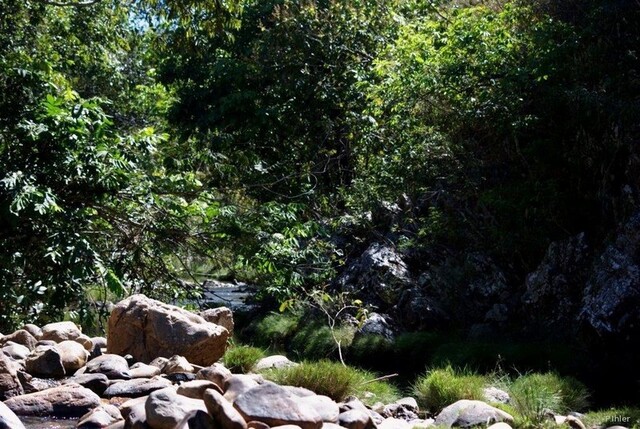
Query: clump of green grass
[[241, 359], [443, 386], [275, 329], [625, 416], [316, 341], [532, 395], [335, 381]]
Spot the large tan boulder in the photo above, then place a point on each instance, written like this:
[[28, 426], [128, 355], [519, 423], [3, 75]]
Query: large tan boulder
[[70, 400], [146, 329], [9, 383]]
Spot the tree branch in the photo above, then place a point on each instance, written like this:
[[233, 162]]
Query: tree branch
[[69, 3]]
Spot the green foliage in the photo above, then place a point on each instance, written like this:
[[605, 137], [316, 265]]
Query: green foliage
[[533, 394], [623, 416], [241, 359], [336, 381], [441, 387], [275, 330]]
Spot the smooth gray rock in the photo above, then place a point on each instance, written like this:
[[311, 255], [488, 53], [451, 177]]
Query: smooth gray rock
[[237, 384], [195, 389], [134, 413], [356, 419], [467, 413], [8, 419], [166, 409], [495, 395], [324, 406], [142, 370], [113, 366], [222, 411], [275, 406], [376, 324], [100, 417], [16, 351], [136, 387], [97, 383], [394, 423], [70, 400], [34, 330], [45, 361], [274, 361], [216, 373], [197, 419]]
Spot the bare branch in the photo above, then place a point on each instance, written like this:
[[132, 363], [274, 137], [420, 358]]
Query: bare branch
[[69, 3]]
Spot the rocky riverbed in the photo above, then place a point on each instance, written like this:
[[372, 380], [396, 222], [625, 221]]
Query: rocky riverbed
[[159, 369]]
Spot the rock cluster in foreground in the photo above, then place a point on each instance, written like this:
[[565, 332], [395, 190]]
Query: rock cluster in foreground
[[58, 372]]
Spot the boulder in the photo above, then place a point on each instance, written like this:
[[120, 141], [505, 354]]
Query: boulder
[[222, 316], [33, 330], [166, 409], [222, 411], [8, 419], [136, 387], [159, 362], [97, 383], [45, 361], [495, 395], [134, 413], [394, 423], [73, 354], [147, 328], [238, 384], [275, 406], [16, 351], [69, 400], [9, 382], [379, 275], [86, 342], [356, 419], [418, 310], [142, 370], [100, 417], [376, 324], [115, 367], [216, 373], [196, 419], [274, 361], [177, 364], [195, 389], [22, 337], [60, 331], [324, 406], [467, 413]]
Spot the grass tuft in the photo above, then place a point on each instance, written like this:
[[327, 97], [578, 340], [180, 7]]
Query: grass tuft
[[335, 381], [441, 387], [241, 359]]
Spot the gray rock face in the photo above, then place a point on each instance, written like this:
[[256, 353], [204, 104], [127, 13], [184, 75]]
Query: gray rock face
[[554, 290], [467, 413], [60, 331], [222, 316], [275, 406], [273, 361], [115, 367], [33, 330], [417, 310], [376, 324], [136, 387], [195, 389], [9, 382], [611, 302], [45, 361], [146, 329], [8, 419], [177, 364], [166, 409], [222, 411], [379, 275], [142, 370], [70, 400], [134, 413], [324, 406], [238, 384]]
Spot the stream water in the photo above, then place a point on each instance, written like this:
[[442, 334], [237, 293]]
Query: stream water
[[47, 423]]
